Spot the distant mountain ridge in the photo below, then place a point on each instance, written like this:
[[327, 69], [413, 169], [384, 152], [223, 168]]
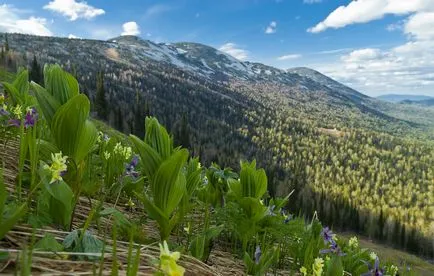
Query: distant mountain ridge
[[396, 98]]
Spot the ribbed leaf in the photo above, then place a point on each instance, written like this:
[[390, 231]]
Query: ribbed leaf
[[193, 175], [21, 83], [253, 182], [157, 137], [47, 103], [61, 202], [13, 92], [60, 84], [46, 149], [87, 140], [150, 158], [73, 134], [169, 184]]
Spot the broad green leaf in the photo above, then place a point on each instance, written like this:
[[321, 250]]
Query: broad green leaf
[[150, 158], [253, 182], [46, 149], [157, 137], [73, 134], [61, 204], [48, 104], [60, 84], [14, 93], [48, 243], [21, 83], [168, 185]]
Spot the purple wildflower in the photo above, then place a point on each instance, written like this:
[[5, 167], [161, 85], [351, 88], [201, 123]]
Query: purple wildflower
[[14, 122], [258, 254], [327, 235], [374, 271], [4, 112], [30, 118], [130, 169], [334, 249]]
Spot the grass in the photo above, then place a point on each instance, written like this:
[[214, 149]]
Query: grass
[[388, 254]]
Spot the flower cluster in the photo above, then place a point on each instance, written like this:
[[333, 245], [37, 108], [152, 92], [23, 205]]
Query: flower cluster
[[353, 243], [329, 238], [317, 267], [31, 117], [58, 167], [168, 260], [126, 152]]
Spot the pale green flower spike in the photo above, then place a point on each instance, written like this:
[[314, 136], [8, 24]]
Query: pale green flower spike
[[353, 243], [58, 167], [18, 111], [317, 267], [373, 256], [303, 271], [168, 261]]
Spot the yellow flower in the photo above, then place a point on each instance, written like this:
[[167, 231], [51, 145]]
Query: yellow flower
[[2, 99], [318, 266], [168, 261], [373, 256], [303, 271], [58, 167]]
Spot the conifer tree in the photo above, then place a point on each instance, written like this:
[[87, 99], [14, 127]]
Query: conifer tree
[[100, 101]]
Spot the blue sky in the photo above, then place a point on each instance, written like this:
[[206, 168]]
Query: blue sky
[[375, 46]]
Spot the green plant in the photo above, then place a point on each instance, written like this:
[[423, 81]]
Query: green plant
[[261, 262], [9, 215], [163, 168], [201, 245], [66, 112]]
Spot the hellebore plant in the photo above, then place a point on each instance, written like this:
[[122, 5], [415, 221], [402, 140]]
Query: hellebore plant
[[163, 168], [66, 113]]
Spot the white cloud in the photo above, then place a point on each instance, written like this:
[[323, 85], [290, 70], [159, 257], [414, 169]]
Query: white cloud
[[74, 10], [12, 22], [288, 57], [130, 28], [233, 50], [363, 11], [272, 28], [71, 36], [312, 1], [420, 26]]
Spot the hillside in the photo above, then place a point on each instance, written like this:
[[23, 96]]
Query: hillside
[[225, 110]]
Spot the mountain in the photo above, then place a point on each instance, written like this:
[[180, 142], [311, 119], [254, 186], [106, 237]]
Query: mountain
[[350, 158], [396, 98]]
